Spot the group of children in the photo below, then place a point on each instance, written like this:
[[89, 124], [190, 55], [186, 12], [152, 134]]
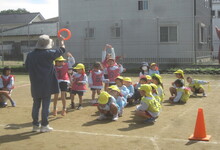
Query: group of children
[[147, 93]]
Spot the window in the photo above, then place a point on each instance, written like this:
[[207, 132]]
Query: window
[[168, 34], [90, 32], [213, 13], [115, 32], [218, 14], [143, 5], [202, 33]]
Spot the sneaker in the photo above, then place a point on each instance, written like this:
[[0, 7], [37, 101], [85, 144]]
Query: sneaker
[[36, 128], [120, 113], [204, 94], [115, 117], [150, 120], [72, 105], [79, 107], [55, 112], [63, 113], [13, 104], [46, 128], [102, 117]]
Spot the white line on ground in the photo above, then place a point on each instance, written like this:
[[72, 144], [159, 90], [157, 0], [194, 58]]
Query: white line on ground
[[153, 139]]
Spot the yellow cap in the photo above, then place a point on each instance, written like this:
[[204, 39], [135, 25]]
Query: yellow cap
[[60, 59], [146, 87], [158, 77], [148, 77], [103, 97], [79, 66], [119, 77], [179, 71], [127, 79], [152, 64], [114, 88], [153, 85]]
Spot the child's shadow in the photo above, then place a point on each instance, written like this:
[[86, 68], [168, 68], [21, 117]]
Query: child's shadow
[[135, 123], [168, 103], [193, 96]]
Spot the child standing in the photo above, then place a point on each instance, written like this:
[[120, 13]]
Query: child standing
[[120, 100], [196, 86], [79, 81], [95, 80], [113, 70], [182, 93], [179, 75], [107, 105], [157, 79], [149, 107], [6, 86], [62, 69], [153, 69], [144, 69], [128, 83], [105, 57]]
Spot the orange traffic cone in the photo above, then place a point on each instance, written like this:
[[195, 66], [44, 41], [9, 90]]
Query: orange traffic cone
[[200, 131]]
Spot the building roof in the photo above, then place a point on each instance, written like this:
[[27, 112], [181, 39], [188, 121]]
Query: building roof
[[23, 18]]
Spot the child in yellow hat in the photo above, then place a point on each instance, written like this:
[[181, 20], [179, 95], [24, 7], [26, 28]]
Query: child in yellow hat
[[79, 81], [124, 90], [149, 107], [120, 100], [62, 70], [196, 86], [155, 92], [157, 79], [153, 69], [128, 83], [107, 105], [179, 75], [183, 93]]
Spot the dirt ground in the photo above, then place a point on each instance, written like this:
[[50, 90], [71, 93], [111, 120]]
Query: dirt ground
[[79, 129]]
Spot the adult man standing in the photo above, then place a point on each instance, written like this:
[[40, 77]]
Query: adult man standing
[[44, 83]]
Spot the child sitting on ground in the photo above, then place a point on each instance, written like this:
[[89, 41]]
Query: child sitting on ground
[[144, 69], [155, 92], [107, 106], [120, 100], [128, 83], [124, 90], [157, 79], [179, 75], [6, 87], [149, 107], [153, 69], [182, 93], [196, 86]]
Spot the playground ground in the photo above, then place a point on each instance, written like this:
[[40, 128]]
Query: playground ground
[[79, 129]]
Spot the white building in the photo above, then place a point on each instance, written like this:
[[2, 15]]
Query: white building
[[216, 22], [162, 31]]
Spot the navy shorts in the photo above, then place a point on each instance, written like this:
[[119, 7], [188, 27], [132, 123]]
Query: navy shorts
[[80, 93], [93, 89], [63, 86]]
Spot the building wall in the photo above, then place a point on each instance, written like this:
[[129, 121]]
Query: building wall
[[140, 29], [216, 22]]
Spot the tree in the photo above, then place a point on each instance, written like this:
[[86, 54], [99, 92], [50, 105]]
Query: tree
[[12, 11]]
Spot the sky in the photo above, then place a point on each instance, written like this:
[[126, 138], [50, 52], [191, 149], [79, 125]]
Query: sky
[[48, 8]]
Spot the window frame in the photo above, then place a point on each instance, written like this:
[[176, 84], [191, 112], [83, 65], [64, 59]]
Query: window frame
[[168, 35], [142, 5], [87, 33]]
